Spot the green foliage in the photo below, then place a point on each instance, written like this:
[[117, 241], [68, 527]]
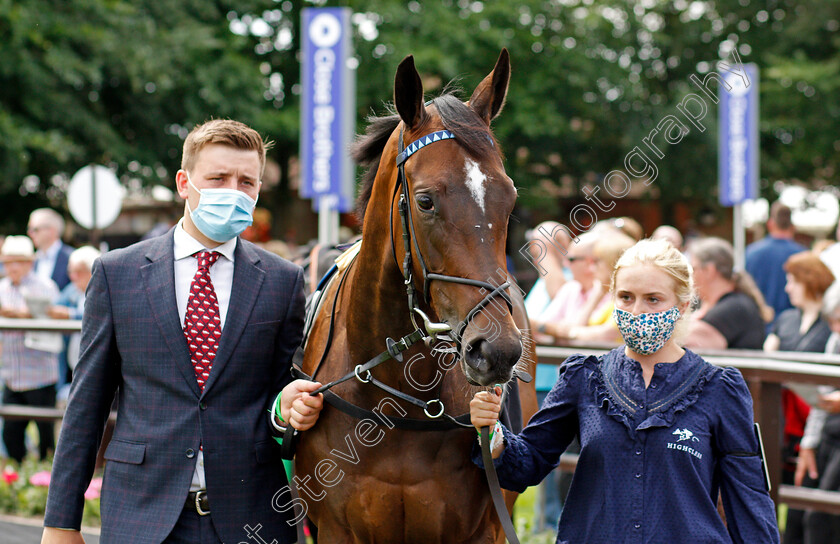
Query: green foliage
[[121, 81]]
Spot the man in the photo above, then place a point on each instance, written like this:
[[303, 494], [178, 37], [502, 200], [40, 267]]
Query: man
[[28, 374], [731, 313], [192, 457], [46, 227], [765, 259]]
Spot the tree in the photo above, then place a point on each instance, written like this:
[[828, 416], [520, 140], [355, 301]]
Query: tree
[[121, 82]]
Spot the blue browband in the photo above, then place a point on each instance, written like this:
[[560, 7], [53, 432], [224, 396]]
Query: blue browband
[[417, 145]]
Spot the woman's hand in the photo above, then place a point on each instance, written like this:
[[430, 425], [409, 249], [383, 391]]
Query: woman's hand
[[14, 313], [484, 412], [485, 407], [58, 312]]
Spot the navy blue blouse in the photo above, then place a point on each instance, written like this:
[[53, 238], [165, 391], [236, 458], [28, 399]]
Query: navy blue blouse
[[652, 459]]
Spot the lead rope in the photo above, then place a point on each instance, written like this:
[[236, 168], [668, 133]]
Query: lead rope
[[496, 488]]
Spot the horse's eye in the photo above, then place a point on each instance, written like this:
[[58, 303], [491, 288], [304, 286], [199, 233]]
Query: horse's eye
[[425, 203]]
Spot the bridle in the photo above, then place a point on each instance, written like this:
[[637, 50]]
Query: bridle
[[430, 332], [433, 330]]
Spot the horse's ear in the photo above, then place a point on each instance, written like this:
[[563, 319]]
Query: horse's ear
[[489, 97], [408, 94]]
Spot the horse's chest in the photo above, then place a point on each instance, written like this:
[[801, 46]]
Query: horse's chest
[[428, 511], [420, 490]]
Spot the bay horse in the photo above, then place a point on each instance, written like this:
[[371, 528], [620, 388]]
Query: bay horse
[[435, 205]]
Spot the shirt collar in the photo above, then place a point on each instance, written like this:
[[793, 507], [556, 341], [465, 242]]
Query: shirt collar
[[186, 245]]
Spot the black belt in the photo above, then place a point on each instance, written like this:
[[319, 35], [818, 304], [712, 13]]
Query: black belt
[[197, 502]]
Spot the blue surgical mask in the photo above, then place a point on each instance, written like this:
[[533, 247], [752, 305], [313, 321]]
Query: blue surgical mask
[[221, 214]]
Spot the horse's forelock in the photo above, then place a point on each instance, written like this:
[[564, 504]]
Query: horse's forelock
[[469, 130], [456, 116]]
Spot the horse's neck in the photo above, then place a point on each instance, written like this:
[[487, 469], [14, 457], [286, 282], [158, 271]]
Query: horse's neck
[[376, 296]]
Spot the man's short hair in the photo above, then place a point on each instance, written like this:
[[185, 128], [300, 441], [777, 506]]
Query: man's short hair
[[226, 132], [780, 214]]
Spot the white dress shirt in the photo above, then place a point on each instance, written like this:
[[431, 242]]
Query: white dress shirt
[[221, 274], [45, 260]]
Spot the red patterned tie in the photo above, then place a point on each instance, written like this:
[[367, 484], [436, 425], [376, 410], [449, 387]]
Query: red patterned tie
[[202, 325]]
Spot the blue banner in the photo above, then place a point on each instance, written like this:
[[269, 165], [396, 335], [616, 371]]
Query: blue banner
[[738, 128], [327, 108]]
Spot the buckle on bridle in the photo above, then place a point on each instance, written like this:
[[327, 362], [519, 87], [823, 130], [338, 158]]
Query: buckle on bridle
[[198, 509], [426, 409]]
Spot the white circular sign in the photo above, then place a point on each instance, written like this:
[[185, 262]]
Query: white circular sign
[[102, 182], [325, 30]]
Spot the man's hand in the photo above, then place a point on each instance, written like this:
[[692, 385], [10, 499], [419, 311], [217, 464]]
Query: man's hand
[[807, 464], [58, 312], [14, 313], [297, 407], [61, 536]]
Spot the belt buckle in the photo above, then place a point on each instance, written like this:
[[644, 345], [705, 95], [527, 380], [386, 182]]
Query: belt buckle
[[198, 496]]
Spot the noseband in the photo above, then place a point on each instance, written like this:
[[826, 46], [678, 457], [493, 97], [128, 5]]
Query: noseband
[[433, 330]]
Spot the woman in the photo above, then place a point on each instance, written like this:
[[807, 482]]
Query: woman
[[732, 311], [802, 328], [661, 430], [594, 322]]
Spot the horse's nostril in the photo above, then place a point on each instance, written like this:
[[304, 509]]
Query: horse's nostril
[[478, 355], [484, 356]]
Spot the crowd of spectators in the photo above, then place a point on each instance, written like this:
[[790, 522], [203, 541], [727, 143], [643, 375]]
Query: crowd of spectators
[[43, 278]]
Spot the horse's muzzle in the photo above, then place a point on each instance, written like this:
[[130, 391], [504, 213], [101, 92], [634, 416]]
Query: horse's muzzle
[[489, 362]]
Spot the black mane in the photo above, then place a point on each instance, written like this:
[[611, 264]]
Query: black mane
[[468, 128]]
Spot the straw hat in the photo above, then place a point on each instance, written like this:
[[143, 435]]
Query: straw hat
[[17, 248]]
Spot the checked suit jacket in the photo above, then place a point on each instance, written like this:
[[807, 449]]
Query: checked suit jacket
[[133, 345]]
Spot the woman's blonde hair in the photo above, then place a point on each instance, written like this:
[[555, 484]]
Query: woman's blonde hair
[[665, 257]]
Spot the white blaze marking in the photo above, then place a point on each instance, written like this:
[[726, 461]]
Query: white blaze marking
[[475, 182]]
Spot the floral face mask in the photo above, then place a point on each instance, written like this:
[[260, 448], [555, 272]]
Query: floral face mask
[[646, 333]]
